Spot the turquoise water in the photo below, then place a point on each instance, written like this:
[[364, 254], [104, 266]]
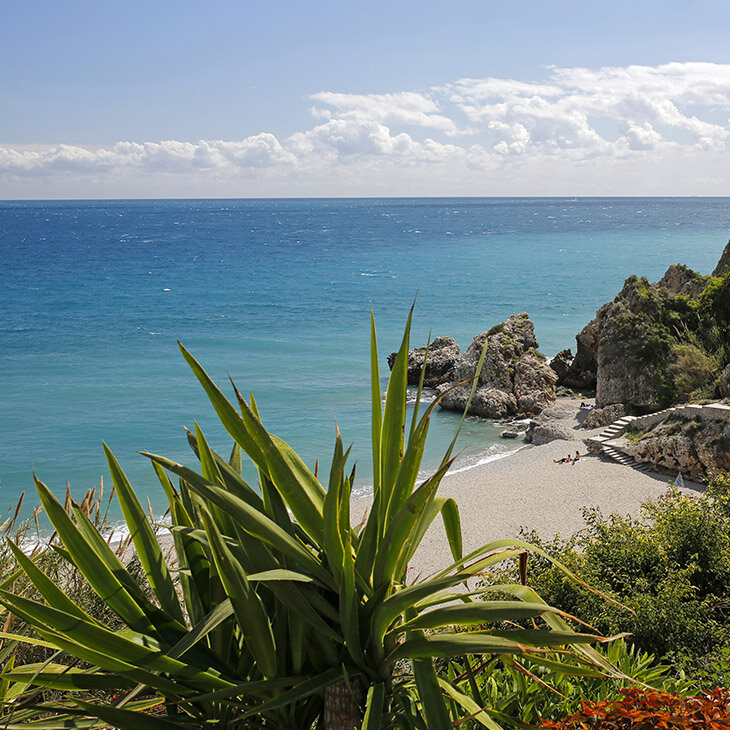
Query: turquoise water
[[278, 292]]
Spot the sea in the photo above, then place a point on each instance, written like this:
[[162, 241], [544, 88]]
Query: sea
[[277, 294]]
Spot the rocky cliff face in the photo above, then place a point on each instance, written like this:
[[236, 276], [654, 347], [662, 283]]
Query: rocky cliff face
[[633, 359], [724, 263], [696, 448], [515, 378], [582, 373], [654, 344], [625, 352]]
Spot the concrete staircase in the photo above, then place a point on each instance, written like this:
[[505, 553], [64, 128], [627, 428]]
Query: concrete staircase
[[601, 444], [624, 459]]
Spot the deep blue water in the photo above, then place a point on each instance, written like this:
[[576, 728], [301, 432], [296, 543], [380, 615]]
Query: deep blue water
[[95, 294]]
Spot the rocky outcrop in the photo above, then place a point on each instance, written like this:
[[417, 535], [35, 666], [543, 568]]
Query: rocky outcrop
[[561, 363], [543, 433], [443, 354], [724, 263], [641, 350], [506, 344], [582, 373], [558, 422], [600, 417], [634, 359], [613, 357], [486, 403], [679, 279], [697, 448], [534, 384], [514, 380]]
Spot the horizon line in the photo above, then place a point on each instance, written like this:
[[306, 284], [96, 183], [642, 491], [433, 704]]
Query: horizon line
[[371, 197]]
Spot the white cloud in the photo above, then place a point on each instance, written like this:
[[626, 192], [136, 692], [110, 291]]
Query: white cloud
[[170, 156], [615, 121], [654, 105], [491, 88], [350, 139], [685, 83], [641, 136], [408, 108]]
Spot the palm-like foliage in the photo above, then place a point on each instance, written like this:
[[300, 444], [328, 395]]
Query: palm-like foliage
[[277, 601]]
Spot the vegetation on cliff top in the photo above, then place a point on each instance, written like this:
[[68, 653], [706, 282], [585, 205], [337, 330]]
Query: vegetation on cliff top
[[682, 341]]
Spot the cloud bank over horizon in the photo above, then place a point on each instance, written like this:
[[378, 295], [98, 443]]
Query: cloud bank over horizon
[[615, 130]]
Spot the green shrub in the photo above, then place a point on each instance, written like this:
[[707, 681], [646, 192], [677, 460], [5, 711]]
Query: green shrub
[[671, 568], [640, 338], [713, 308], [694, 372], [26, 659]]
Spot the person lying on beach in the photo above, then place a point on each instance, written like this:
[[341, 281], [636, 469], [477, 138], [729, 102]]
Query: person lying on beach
[[566, 460]]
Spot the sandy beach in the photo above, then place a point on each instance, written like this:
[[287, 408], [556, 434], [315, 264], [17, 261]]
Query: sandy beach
[[527, 489]]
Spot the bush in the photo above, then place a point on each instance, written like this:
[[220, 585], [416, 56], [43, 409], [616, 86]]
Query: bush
[[670, 570], [713, 308], [526, 691], [694, 373]]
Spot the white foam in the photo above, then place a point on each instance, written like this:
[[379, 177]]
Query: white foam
[[366, 490], [114, 535], [427, 396], [485, 460]]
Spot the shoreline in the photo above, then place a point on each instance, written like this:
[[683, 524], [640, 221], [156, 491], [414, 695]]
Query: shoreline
[[523, 488], [528, 490]]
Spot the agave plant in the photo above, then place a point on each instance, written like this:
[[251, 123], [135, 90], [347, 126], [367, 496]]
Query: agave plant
[[278, 612]]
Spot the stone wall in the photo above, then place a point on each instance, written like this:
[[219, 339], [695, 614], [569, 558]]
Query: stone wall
[[710, 412], [692, 439]]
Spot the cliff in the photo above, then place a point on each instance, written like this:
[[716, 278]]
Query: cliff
[[657, 344]]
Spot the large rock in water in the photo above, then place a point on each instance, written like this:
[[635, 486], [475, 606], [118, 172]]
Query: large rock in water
[[515, 378], [443, 354]]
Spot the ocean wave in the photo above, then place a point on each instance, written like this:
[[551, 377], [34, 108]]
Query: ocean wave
[[427, 396], [471, 461], [485, 459]]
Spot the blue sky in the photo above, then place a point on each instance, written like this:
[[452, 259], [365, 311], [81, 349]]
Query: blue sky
[[185, 99]]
